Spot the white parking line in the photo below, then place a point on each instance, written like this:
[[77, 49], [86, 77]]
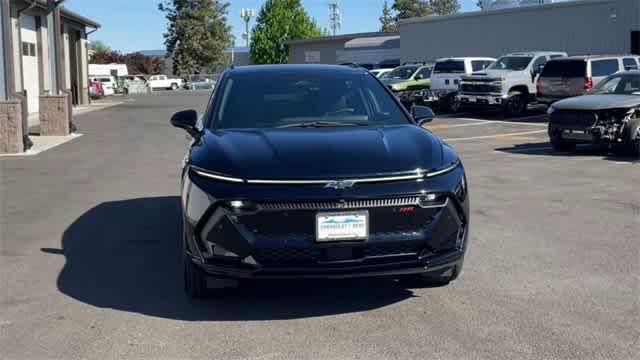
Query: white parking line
[[505, 122], [496, 136], [526, 149]]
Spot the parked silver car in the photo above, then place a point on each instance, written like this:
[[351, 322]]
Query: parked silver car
[[574, 76]]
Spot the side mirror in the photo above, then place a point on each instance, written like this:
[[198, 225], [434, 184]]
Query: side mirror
[[419, 77], [186, 120], [422, 114]]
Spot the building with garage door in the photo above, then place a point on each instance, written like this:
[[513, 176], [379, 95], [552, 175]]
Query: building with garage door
[[367, 49], [44, 63], [576, 27]]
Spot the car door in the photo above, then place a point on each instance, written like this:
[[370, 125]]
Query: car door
[[536, 69], [422, 77]]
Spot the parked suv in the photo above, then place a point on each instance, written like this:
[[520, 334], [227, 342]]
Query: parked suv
[[445, 78], [405, 80], [508, 83], [575, 75]]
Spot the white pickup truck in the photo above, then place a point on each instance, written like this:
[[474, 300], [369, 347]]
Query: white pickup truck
[[508, 83], [164, 82], [446, 75]]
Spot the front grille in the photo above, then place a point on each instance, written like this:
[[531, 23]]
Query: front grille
[[292, 256], [479, 88], [332, 205], [394, 248], [579, 118]]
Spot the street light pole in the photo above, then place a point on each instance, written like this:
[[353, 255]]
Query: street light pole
[[5, 55], [246, 14]]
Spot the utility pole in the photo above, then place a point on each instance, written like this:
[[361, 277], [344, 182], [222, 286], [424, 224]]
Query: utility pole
[[246, 14], [335, 17], [5, 54], [55, 46]]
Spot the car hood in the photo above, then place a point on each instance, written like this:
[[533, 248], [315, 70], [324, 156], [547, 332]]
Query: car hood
[[393, 81], [304, 153], [491, 74], [597, 102]]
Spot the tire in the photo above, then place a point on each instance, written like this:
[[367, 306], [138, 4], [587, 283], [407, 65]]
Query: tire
[[453, 105], [632, 138], [195, 280], [174, 86], [560, 145], [432, 280], [516, 104]]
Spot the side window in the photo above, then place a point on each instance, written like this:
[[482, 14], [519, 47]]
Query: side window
[[425, 72], [153, 78], [604, 67], [538, 64], [630, 64], [477, 65]]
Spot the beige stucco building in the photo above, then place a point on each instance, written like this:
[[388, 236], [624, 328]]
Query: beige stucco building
[[44, 61]]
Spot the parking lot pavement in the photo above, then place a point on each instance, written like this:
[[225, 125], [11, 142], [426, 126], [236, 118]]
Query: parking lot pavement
[[90, 258]]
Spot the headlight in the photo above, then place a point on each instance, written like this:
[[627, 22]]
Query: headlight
[[197, 201], [551, 110]]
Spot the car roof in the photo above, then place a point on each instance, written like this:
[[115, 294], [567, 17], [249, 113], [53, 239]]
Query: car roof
[[592, 57], [466, 58], [292, 68], [535, 53]]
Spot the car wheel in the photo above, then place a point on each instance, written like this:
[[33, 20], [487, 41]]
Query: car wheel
[[558, 144], [195, 280], [174, 86], [453, 104], [442, 278], [633, 138], [516, 104]]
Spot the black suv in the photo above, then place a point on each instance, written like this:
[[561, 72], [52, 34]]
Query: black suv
[[317, 171]]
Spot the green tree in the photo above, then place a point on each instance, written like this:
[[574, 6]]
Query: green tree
[[444, 7], [99, 46], [198, 34], [410, 8], [279, 21], [386, 20]]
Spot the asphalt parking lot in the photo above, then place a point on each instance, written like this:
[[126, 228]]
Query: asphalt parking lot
[[90, 262]]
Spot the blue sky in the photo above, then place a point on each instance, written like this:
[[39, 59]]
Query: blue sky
[[130, 25]]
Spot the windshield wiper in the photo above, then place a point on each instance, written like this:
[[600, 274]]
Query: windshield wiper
[[315, 124]]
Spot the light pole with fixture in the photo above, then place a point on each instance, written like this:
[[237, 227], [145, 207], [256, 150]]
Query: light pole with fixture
[[246, 14]]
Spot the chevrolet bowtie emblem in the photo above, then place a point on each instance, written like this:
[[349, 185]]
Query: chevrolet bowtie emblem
[[339, 184]]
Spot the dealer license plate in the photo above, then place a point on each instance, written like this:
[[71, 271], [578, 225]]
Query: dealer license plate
[[340, 226]]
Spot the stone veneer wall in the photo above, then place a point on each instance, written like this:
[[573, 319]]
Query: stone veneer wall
[[11, 136], [54, 115]]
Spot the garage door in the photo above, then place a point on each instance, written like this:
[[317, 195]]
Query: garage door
[[30, 61]]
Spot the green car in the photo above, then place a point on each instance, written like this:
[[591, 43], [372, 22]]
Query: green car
[[408, 77]]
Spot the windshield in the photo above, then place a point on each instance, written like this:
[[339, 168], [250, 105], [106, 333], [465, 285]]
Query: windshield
[[402, 72], [627, 84], [299, 98], [511, 63], [565, 69]]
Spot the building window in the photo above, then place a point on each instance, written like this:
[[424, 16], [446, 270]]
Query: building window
[[312, 56], [28, 49]]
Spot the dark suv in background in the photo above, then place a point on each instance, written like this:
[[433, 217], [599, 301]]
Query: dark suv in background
[[575, 75]]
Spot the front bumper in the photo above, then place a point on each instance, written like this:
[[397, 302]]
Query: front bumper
[[481, 100], [276, 239]]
